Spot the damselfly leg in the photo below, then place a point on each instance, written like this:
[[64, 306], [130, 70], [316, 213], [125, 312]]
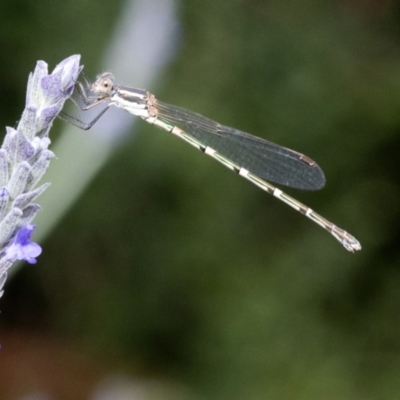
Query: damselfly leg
[[85, 99]]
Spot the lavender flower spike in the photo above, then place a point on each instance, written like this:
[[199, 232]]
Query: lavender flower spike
[[24, 158]]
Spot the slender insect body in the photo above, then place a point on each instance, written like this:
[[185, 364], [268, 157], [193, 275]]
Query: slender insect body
[[255, 159]]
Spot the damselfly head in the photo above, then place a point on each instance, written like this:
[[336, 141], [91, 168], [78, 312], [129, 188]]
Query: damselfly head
[[104, 84]]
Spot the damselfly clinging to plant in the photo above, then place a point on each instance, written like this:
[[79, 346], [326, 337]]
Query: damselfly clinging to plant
[[253, 158]]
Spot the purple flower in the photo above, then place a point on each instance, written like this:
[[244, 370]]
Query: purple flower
[[60, 83], [24, 158], [21, 248]]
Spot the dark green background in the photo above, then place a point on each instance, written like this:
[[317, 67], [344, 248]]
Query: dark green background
[[170, 265]]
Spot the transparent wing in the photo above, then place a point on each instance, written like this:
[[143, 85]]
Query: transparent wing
[[264, 159]]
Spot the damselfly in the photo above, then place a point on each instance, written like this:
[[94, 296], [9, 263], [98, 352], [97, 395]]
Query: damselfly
[[253, 158]]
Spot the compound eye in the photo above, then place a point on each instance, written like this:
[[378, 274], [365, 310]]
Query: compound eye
[[104, 85], [107, 85]]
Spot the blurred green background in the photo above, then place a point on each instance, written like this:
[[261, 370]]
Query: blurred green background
[[169, 267]]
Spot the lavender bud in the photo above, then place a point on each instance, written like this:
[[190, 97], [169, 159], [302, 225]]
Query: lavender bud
[[9, 223], [18, 180], [29, 213], [39, 167], [23, 200]]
